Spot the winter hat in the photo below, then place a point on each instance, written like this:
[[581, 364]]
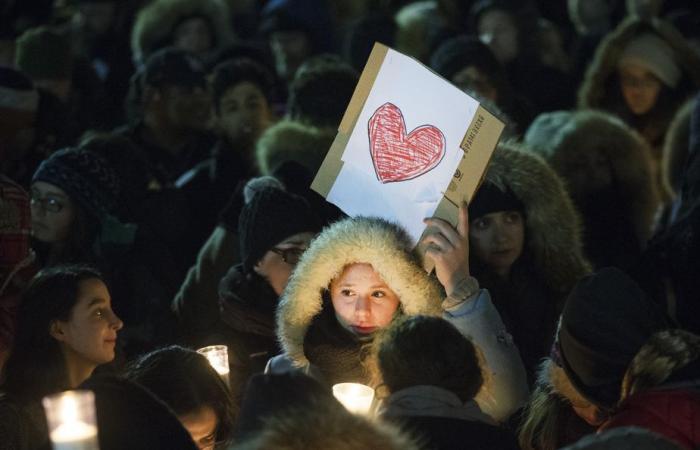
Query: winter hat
[[606, 320], [460, 52], [17, 91], [173, 66], [624, 438], [491, 198], [269, 216], [44, 54], [542, 134], [653, 53]]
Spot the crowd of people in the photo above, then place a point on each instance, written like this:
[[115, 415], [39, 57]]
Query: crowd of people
[[156, 158]]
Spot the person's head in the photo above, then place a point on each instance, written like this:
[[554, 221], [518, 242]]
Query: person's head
[[289, 39], [194, 34], [73, 192], [496, 228], [424, 350], [46, 56], [189, 385], [97, 18], [497, 26], [174, 91], [274, 228], [18, 107], [364, 273], [241, 91], [65, 326], [645, 67], [590, 16]]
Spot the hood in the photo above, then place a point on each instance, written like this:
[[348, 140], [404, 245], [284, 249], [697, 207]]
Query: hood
[[154, 24], [595, 89], [552, 225], [384, 245]]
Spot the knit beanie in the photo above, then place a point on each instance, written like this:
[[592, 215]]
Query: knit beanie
[[269, 216], [17, 91], [654, 54], [44, 54], [606, 320], [491, 198]]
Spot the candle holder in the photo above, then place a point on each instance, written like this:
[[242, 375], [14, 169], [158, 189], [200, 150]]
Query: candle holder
[[71, 419], [357, 398], [217, 355]]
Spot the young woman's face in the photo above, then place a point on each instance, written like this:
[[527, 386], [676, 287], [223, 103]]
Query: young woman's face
[[362, 301], [243, 113], [90, 334], [53, 213], [640, 88], [278, 263], [201, 424], [497, 240], [193, 36], [497, 29]]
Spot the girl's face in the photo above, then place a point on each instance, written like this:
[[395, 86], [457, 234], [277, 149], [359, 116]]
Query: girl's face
[[497, 29], [640, 88], [497, 240], [243, 113], [362, 301], [53, 213], [90, 334], [201, 424]]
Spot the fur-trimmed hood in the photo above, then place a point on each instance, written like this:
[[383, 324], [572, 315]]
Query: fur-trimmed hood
[[552, 225], [577, 148], [155, 24], [596, 86], [386, 246]]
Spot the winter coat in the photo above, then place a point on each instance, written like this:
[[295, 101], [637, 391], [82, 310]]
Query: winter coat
[[607, 169], [22, 426], [670, 412], [314, 341], [600, 88], [440, 417], [156, 22], [552, 260]]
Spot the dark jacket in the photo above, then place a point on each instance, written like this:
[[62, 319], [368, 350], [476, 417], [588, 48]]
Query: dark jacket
[[22, 426]]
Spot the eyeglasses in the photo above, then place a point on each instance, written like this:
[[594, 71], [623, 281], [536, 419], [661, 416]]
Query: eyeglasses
[[289, 255], [48, 204]]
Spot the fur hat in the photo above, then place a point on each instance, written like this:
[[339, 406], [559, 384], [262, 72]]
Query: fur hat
[[269, 216], [43, 53], [606, 320], [386, 246]]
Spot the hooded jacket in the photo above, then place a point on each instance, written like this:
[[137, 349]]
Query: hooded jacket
[[156, 22], [600, 90], [388, 249], [607, 169]]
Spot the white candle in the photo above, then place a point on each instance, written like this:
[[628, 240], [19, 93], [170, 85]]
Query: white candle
[[357, 398], [71, 419], [217, 355]]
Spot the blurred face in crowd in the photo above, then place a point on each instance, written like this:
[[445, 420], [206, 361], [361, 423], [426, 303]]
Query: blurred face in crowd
[[96, 17], [244, 113], [362, 301], [497, 240], [277, 264], [497, 29], [290, 49], [640, 88], [89, 336], [201, 424], [185, 107], [194, 36], [472, 79], [53, 213]]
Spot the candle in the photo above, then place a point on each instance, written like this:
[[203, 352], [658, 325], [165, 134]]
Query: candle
[[217, 355], [71, 419], [357, 398]]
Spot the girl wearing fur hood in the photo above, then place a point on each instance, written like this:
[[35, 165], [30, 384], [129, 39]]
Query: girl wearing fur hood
[[199, 27], [360, 274], [642, 72]]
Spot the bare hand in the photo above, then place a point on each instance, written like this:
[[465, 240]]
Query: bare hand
[[449, 249]]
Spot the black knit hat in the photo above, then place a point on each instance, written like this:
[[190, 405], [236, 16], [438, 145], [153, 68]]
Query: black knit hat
[[490, 198], [270, 216], [86, 178], [174, 67], [606, 319]]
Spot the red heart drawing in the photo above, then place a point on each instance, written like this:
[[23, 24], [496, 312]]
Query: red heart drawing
[[400, 157]]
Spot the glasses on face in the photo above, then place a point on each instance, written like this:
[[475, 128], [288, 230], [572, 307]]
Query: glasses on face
[[48, 204], [289, 255]]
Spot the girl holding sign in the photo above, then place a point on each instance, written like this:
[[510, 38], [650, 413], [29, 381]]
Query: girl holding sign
[[359, 275]]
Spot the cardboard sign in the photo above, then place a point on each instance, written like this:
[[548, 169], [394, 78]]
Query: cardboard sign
[[410, 145]]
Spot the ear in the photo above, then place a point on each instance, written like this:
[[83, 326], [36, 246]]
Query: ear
[[57, 331]]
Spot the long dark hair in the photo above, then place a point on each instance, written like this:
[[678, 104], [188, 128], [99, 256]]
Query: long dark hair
[[36, 367], [186, 382]]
